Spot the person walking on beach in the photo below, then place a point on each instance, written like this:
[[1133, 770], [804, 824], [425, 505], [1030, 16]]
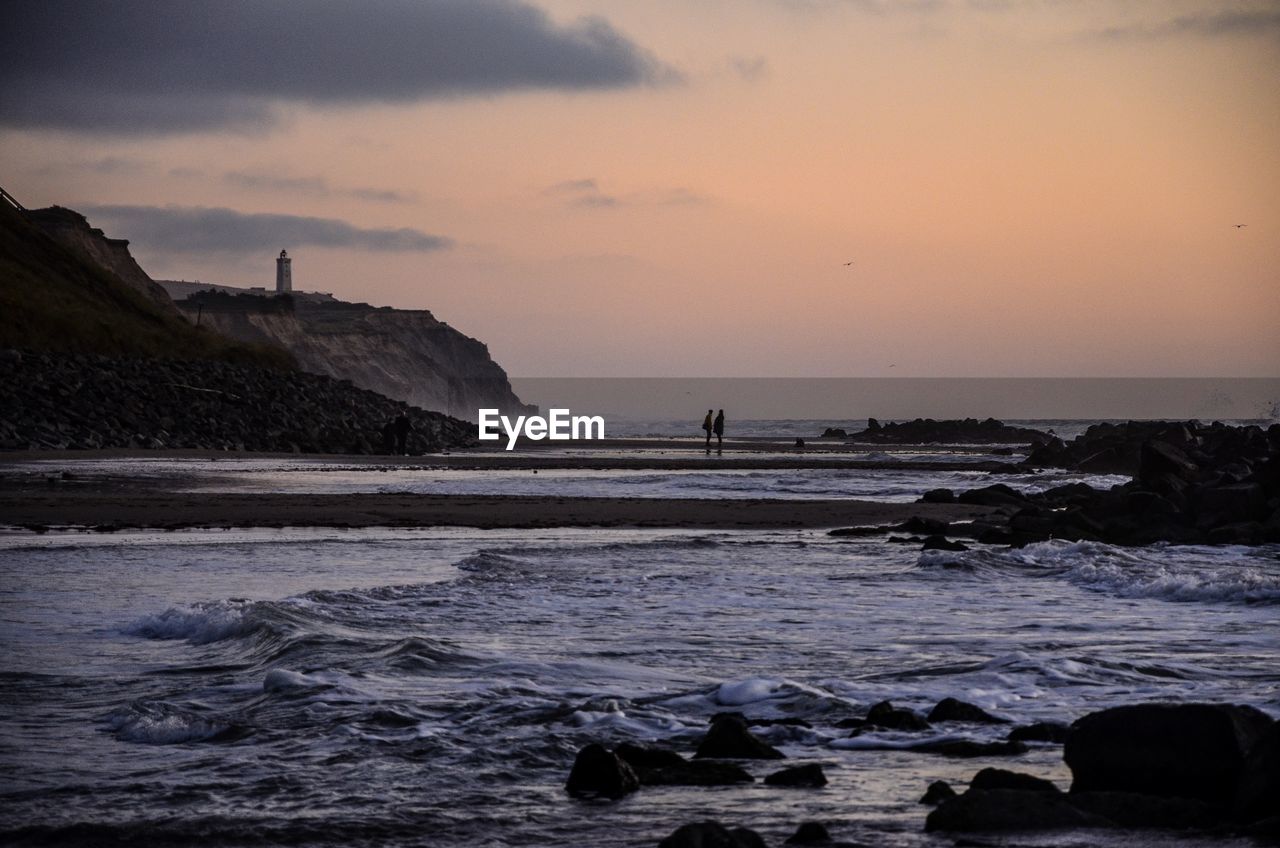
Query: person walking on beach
[[718, 426], [403, 429], [706, 425]]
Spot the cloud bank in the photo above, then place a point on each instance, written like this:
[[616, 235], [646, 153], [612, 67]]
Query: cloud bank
[[150, 66], [203, 230]]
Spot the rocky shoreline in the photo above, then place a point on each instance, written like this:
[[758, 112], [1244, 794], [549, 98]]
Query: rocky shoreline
[[68, 401], [1210, 770], [1192, 484]]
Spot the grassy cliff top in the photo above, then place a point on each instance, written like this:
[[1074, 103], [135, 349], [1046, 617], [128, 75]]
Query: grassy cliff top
[[53, 298]]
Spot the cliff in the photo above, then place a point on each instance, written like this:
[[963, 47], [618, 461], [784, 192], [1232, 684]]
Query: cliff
[[408, 355], [65, 293], [71, 229]]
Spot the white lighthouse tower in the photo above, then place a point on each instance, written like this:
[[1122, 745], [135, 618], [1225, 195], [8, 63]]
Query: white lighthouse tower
[[284, 273]]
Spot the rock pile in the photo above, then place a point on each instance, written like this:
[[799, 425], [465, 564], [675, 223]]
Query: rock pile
[[81, 401], [1193, 484], [956, 432], [1209, 767]]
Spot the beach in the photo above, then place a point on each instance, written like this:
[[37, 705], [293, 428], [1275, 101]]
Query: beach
[[429, 641]]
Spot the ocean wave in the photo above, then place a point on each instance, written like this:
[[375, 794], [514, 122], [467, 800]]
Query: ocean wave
[[1213, 575], [159, 723], [199, 623]]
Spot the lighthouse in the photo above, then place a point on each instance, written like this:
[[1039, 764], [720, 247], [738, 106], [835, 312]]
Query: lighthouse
[[284, 273]]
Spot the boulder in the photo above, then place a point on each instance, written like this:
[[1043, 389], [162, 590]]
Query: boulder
[[711, 834], [938, 792], [648, 756], [835, 433], [886, 715], [1258, 795], [599, 771], [939, 496], [1041, 731], [995, 495], [1169, 750], [810, 833], [1128, 809], [730, 739], [950, 709], [806, 776], [942, 543], [1010, 809], [696, 773], [994, 778]]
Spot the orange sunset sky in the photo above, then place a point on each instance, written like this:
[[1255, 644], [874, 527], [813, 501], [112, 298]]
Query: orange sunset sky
[[672, 188]]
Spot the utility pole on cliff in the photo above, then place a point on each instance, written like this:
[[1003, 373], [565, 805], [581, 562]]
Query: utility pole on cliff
[[284, 273]]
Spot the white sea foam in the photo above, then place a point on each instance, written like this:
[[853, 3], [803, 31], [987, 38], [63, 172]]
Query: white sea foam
[[1225, 575], [162, 724], [199, 624]]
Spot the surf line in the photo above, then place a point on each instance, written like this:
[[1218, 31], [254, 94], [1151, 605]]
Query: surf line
[[560, 425]]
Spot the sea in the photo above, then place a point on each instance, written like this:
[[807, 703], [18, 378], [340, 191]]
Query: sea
[[430, 687]]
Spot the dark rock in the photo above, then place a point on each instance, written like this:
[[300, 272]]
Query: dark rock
[[1041, 731], [599, 771], [711, 834], [809, 833], [950, 709], [858, 532], [1128, 809], [809, 776], [939, 496], [1159, 457], [994, 778], [834, 433], [648, 756], [994, 495], [938, 792], [1172, 750], [730, 739], [696, 773], [929, 431], [1010, 809], [924, 526], [1258, 794], [942, 543], [886, 715]]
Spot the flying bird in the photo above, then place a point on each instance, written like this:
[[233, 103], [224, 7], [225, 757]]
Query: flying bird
[[848, 263], [1238, 226]]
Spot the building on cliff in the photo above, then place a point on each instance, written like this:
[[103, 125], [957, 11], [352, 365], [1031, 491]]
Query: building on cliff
[[284, 273]]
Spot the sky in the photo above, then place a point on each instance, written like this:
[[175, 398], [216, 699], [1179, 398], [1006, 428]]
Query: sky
[[660, 188]]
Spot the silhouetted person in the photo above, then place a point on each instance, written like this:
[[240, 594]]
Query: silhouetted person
[[389, 436], [719, 428], [403, 429], [706, 425]]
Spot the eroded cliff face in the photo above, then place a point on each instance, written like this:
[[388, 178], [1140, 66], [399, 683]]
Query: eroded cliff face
[[403, 354], [71, 229]]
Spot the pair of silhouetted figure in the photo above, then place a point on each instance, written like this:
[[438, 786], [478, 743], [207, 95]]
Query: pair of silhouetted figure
[[395, 435], [714, 426]]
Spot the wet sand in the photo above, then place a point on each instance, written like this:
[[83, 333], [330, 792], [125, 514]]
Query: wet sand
[[54, 497], [170, 510]]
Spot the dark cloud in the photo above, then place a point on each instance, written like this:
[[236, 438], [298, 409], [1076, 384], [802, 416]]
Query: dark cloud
[[572, 187], [106, 165], [750, 68], [309, 187], [312, 186], [147, 66], [587, 194], [1227, 23], [202, 230]]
